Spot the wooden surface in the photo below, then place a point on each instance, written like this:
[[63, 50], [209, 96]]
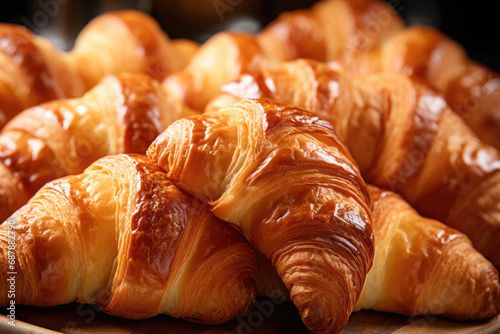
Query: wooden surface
[[271, 318]]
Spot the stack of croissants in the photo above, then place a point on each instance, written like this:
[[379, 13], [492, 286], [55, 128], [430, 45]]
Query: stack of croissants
[[338, 156]]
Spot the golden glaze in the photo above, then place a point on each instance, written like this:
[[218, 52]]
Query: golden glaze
[[123, 236], [122, 114], [286, 180], [403, 136], [472, 90]]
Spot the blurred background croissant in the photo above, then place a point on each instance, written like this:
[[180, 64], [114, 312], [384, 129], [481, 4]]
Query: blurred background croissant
[[473, 26]]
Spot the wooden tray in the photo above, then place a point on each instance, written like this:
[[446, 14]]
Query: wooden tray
[[281, 319]]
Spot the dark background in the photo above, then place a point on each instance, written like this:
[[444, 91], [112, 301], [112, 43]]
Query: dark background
[[476, 26]]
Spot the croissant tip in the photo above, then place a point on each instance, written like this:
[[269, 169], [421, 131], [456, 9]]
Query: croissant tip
[[496, 301], [314, 319]]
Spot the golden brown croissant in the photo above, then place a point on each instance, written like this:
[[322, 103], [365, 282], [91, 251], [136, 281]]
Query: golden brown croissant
[[123, 114], [331, 29], [32, 71], [472, 90], [122, 235], [221, 59], [403, 137], [285, 179], [421, 266], [367, 36], [125, 41]]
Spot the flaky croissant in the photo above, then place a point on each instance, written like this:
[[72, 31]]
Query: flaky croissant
[[123, 114], [367, 36], [32, 71], [330, 29], [285, 179], [127, 41], [402, 135], [122, 235], [421, 266], [471, 89]]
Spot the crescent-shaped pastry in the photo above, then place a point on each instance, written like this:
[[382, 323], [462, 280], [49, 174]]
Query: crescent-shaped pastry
[[403, 136], [122, 235], [284, 178], [123, 114]]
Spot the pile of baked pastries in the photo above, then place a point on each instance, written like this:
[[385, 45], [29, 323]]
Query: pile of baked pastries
[[338, 155]]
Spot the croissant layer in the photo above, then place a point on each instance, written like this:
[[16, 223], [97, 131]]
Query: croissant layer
[[421, 266]]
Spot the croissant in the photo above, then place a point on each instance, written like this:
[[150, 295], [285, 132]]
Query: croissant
[[221, 59], [123, 114], [132, 42], [421, 266], [402, 135], [424, 267], [287, 182], [329, 29], [32, 71], [470, 88], [125, 237], [367, 36]]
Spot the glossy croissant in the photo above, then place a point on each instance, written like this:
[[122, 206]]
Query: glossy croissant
[[123, 114], [368, 36], [421, 266], [32, 71], [471, 89], [123, 236], [402, 135], [333, 28], [330, 30], [283, 178]]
